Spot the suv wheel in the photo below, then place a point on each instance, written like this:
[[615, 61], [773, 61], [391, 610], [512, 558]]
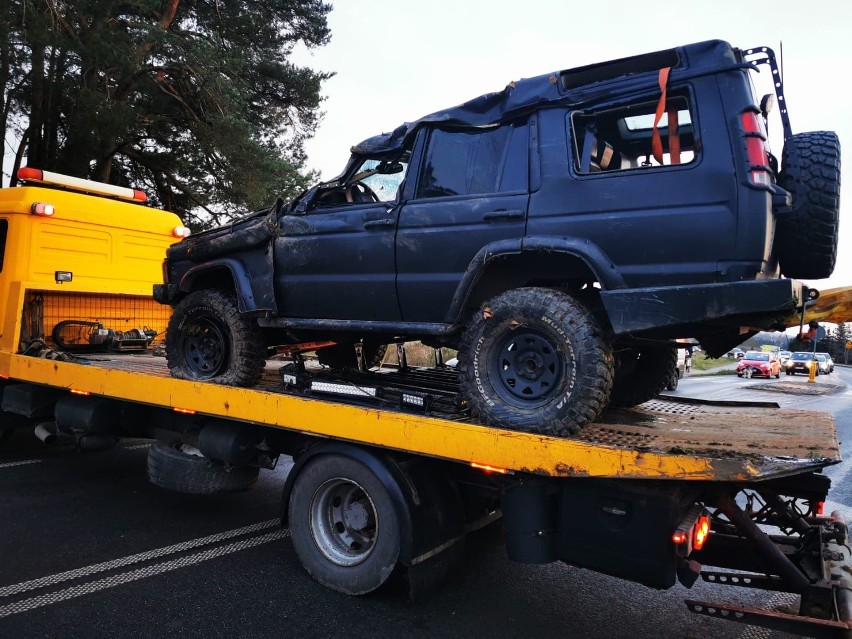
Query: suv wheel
[[209, 339], [535, 360], [806, 238], [641, 375], [344, 356]]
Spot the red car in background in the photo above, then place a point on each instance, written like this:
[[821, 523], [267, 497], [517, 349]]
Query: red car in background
[[759, 364]]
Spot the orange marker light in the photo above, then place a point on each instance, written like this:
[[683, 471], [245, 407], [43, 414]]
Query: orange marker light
[[490, 469], [79, 392], [28, 174], [184, 411], [181, 232], [42, 209], [680, 537]]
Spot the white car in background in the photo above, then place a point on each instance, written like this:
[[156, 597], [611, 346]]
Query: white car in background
[[824, 363], [830, 361]]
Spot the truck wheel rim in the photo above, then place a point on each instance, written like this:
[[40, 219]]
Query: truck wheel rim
[[529, 368], [344, 522], [205, 347]]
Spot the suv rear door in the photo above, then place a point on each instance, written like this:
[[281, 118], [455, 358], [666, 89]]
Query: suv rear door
[[661, 223], [468, 188]]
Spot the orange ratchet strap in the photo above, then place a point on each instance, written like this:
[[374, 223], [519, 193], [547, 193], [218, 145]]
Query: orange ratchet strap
[[674, 139]]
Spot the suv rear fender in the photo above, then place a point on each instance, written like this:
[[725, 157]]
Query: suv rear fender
[[251, 282], [538, 260]]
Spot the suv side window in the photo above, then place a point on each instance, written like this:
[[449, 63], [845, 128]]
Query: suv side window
[[620, 138], [474, 161]]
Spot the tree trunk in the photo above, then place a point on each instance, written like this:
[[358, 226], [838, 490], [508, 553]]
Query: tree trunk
[[35, 152]]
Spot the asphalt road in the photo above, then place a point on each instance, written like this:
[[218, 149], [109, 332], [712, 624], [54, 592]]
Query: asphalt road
[[89, 549]]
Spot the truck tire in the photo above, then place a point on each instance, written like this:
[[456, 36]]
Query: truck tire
[[535, 360], [344, 356], [209, 339], [344, 526], [641, 375], [806, 238], [170, 467]]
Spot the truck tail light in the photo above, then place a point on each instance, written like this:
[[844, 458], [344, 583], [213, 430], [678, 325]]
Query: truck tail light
[[181, 232], [758, 159], [692, 532], [702, 532]]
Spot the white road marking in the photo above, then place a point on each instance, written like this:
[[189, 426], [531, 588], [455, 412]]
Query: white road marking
[[135, 446], [23, 462], [135, 575], [49, 580]]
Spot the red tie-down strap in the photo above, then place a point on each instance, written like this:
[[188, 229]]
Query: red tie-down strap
[[674, 139]]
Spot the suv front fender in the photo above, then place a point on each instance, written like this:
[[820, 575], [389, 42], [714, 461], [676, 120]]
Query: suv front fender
[[584, 253], [251, 282]]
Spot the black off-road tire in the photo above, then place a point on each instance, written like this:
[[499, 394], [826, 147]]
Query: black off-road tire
[[344, 526], [209, 339], [535, 360], [343, 356], [806, 238], [641, 375], [172, 469]]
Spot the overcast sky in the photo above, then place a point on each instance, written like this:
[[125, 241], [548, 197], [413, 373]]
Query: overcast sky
[[397, 60]]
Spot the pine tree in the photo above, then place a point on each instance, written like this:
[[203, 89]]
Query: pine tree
[[196, 100]]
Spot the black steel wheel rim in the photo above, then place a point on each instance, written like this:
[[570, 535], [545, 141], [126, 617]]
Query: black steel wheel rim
[[205, 347], [528, 368]]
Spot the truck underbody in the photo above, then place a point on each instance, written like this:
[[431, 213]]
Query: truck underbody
[[625, 498]]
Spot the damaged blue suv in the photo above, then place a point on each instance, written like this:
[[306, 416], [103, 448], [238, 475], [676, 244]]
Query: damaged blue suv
[[560, 234]]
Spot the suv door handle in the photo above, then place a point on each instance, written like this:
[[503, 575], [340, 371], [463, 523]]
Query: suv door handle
[[372, 224], [503, 215]]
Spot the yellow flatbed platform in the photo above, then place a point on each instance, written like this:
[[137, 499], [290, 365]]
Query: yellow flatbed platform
[[659, 440]]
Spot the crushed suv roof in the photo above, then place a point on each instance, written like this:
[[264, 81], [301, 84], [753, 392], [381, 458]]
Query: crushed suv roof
[[583, 85]]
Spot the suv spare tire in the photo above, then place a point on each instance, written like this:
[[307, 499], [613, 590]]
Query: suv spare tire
[[535, 360], [806, 238], [170, 466]]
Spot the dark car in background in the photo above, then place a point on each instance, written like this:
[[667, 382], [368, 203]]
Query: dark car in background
[[802, 362]]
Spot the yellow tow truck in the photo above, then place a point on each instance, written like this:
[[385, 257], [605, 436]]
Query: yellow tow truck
[[389, 471]]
